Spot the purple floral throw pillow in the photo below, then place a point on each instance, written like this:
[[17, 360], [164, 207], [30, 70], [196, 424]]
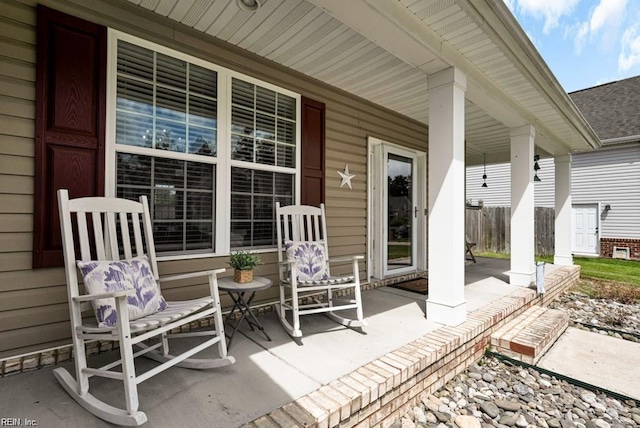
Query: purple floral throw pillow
[[310, 257], [136, 274]]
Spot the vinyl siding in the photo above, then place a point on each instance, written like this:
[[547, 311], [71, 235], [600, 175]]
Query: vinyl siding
[[17, 113], [608, 176], [33, 313], [498, 190]]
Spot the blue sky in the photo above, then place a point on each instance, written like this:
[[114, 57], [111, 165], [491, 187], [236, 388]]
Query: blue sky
[[584, 42]]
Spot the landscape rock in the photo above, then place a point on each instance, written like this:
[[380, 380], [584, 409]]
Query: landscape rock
[[490, 409], [603, 313], [467, 422], [442, 417], [522, 422], [496, 394], [508, 405], [509, 419], [554, 422], [419, 415]]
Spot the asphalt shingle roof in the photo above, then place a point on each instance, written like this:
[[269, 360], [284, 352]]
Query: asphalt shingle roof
[[612, 109]]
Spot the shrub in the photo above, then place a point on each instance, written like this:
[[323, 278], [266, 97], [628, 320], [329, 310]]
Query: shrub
[[244, 260]]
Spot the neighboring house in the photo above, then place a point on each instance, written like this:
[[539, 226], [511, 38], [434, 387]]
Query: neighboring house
[[605, 184], [217, 112]]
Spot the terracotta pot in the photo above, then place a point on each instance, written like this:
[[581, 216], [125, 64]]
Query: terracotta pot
[[242, 276]]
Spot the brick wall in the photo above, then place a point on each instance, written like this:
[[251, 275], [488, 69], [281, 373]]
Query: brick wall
[[379, 393], [607, 244]]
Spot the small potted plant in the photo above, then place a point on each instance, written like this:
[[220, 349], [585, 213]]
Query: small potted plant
[[243, 263]]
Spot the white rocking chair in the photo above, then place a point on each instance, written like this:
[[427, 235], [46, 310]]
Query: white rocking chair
[[102, 244], [300, 228]]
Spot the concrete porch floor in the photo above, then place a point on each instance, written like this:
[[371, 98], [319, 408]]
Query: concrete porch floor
[[267, 375]]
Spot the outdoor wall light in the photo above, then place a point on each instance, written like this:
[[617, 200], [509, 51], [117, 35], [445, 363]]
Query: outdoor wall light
[[607, 207], [536, 167], [249, 5]]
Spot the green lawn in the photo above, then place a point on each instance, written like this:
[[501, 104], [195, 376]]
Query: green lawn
[[399, 251], [492, 255], [624, 271]]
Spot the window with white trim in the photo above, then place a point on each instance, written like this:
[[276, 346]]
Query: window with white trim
[[263, 124], [212, 166]]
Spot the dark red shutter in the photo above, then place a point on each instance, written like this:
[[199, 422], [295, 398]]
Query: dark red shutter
[[313, 120], [70, 122]]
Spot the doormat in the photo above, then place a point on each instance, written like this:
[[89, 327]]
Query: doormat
[[418, 285]]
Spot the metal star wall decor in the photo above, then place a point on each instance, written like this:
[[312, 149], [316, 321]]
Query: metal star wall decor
[[346, 176]]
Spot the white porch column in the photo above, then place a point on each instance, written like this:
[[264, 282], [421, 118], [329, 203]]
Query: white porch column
[[522, 206], [563, 230], [446, 303]]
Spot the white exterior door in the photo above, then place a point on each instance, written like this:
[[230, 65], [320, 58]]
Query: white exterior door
[[397, 219], [586, 230]]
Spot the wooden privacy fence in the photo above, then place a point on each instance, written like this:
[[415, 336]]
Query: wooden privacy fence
[[490, 229]]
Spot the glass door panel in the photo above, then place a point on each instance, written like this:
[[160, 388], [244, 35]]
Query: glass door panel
[[400, 212]]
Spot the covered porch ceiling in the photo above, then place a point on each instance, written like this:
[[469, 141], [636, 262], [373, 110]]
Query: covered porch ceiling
[[384, 50]]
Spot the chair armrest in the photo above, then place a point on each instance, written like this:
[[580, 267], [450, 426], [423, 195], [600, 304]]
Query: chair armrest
[[113, 294], [192, 275], [287, 262], [346, 259]]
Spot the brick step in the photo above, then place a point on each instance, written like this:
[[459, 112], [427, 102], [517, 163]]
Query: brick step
[[531, 334]]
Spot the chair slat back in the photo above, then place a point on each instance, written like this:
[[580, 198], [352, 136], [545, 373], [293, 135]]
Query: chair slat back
[[124, 231], [112, 237], [83, 238], [137, 233], [97, 233], [101, 241], [299, 223]]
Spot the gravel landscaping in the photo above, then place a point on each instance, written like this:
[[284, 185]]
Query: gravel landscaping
[[494, 393]]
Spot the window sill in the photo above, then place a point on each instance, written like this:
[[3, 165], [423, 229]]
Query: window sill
[[175, 257]]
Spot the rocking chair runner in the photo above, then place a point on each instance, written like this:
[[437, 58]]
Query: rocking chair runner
[[119, 325], [304, 270]]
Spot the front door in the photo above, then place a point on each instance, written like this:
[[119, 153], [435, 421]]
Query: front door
[[586, 229], [396, 217]]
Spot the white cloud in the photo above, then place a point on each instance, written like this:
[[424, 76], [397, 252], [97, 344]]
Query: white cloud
[[608, 16], [581, 36], [630, 51], [550, 10], [602, 25], [608, 12]]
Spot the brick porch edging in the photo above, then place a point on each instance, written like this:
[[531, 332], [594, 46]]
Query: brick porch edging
[[379, 393]]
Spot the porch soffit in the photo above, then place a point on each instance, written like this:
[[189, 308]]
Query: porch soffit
[[383, 51]]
